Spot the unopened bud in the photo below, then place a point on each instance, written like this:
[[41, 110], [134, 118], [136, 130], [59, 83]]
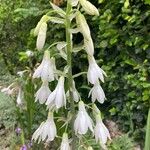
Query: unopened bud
[[82, 25], [41, 36], [89, 8], [45, 18]]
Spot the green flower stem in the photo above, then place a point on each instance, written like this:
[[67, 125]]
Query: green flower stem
[[147, 138], [70, 77]]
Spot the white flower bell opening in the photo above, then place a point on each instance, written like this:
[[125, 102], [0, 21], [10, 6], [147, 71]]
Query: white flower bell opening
[[101, 132], [65, 142], [43, 93], [97, 93], [46, 70], [57, 97], [46, 131], [83, 120], [94, 71]]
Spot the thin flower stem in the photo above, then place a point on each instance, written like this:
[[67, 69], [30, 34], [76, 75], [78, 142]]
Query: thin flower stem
[[70, 77]]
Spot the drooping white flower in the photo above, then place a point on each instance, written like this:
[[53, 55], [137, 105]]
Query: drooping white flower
[[8, 90], [101, 132], [83, 26], [94, 71], [89, 8], [46, 131], [57, 97], [43, 93], [83, 120], [65, 142], [97, 93], [75, 93], [89, 46], [46, 69], [41, 36], [20, 97]]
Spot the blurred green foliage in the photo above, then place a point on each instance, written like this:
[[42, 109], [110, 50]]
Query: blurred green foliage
[[121, 35], [123, 45], [122, 143]]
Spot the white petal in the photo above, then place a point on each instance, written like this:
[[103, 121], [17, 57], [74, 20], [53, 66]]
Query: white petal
[[41, 36]]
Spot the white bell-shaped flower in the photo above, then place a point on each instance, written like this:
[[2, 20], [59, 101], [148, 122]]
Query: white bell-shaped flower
[[65, 142], [75, 93], [83, 26], [57, 97], [94, 71], [46, 131], [20, 97], [97, 93], [101, 132], [83, 120], [41, 36], [43, 93], [89, 46], [89, 8], [46, 69]]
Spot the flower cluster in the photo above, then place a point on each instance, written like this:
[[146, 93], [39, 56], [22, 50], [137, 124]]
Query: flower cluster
[[56, 99]]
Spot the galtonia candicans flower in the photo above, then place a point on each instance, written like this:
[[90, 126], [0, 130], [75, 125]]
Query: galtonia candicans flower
[[46, 69], [94, 71], [89, 8], [65, 142], [46, 131], [75, 94], [41, 36], [83, 120], [43, 93], [20, 97], [57, 98], [97, 93], [101, 132]]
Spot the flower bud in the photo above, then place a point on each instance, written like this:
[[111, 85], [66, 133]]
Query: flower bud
[[90, 148], [83, 26], [41, 36], [89, 8], [37, 28]]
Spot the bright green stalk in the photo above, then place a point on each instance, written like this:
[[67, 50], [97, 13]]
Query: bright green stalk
[[69, 63], [147, 138]]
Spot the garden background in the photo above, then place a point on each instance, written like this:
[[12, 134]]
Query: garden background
[[122, 47]]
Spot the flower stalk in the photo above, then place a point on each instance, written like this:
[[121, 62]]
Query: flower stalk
[[70, 77]]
